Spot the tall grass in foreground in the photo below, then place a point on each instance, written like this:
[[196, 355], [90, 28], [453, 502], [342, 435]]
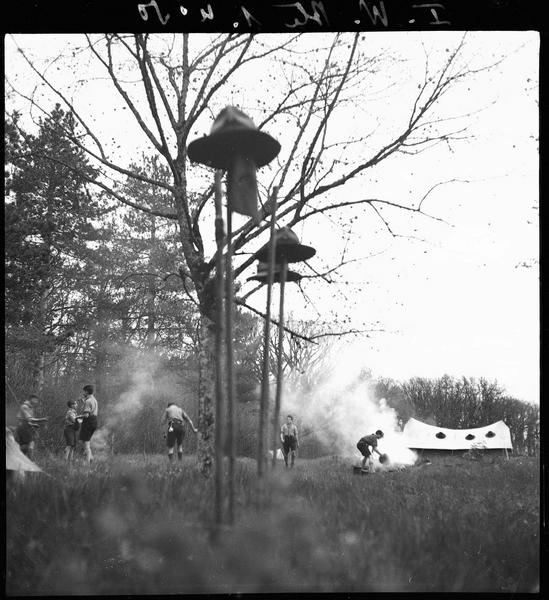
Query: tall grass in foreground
[[138, 525]]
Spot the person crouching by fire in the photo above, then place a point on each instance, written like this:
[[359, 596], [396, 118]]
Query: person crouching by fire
[[175, 416], [368, 444], [89, 420], [289, 439]]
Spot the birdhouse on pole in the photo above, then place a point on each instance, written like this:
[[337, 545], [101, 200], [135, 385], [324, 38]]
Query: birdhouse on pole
[[262, 274], [287, 248], [238, 147]]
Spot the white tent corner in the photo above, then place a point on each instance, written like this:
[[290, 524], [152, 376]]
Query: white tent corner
[[15, 459]]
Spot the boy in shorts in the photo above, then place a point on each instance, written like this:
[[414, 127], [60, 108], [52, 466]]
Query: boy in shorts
[[27, 424], [367, 442], [175, 416], [89, 420], [70, 428], [289, 439]]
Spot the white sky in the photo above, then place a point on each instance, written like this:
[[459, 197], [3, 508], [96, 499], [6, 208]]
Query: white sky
[[458, 303]]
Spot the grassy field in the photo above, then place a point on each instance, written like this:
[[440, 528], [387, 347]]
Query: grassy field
[[139, 525]]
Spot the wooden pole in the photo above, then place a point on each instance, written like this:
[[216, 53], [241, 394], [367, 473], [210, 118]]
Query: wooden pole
[[229, 308], [264, 401], [219, 238], [276, 415]]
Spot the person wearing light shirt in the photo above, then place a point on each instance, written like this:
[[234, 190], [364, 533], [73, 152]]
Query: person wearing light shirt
[[89, 420], [289, 439], [175, 416]]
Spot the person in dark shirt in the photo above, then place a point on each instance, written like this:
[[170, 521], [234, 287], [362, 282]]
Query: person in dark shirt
[[27, 425], [368, 444]]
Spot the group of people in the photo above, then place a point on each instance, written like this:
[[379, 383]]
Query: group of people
[[80, 425], [175, 418], [76, 426]]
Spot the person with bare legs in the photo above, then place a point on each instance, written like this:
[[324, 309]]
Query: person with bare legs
[[289, 439], [70, 428], [175, 417], [27, 424], [89, 420], [368, 444]]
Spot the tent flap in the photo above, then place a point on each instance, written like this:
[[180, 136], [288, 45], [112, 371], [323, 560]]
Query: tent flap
[[15, 459]]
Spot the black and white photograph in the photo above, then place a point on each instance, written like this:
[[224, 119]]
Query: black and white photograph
[[272, 306]]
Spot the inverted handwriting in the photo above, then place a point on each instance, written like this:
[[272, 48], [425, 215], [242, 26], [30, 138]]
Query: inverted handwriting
[[142, 8], [433, 8], [249, 17], [305, 12], [315, 6], [207, 15], [377, 13]]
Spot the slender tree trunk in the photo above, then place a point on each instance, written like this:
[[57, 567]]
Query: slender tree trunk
[[206, 396], [39, 374], [278, 396], [100, 334], [39, 363], [151, 288], [229, 308], [219, 331], [262, 440]]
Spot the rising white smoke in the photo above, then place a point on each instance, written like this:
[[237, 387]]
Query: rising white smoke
[[340, 409], [144, 382]]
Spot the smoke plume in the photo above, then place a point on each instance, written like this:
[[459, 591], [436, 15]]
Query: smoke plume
[[145, 384], [340, 408]]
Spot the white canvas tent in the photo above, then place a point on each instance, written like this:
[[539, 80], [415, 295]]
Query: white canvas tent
[[421, 436], [279, 454], [15, 459]]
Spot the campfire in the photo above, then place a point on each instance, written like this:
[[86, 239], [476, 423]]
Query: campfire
[[383, 465]]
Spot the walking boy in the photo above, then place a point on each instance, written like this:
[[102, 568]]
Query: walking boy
[[289, 439], [175, 416]]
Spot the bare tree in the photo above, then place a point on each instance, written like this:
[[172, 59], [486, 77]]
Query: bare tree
[[172, 85]]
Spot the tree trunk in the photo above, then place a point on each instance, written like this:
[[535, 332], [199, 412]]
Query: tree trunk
[[206, 396], [151, 288], [39, 374], [39, 364], [100, 334]]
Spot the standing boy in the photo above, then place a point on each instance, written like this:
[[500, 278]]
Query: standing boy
[[89, 420], [289, 439], [70, 427], [27, 424]]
